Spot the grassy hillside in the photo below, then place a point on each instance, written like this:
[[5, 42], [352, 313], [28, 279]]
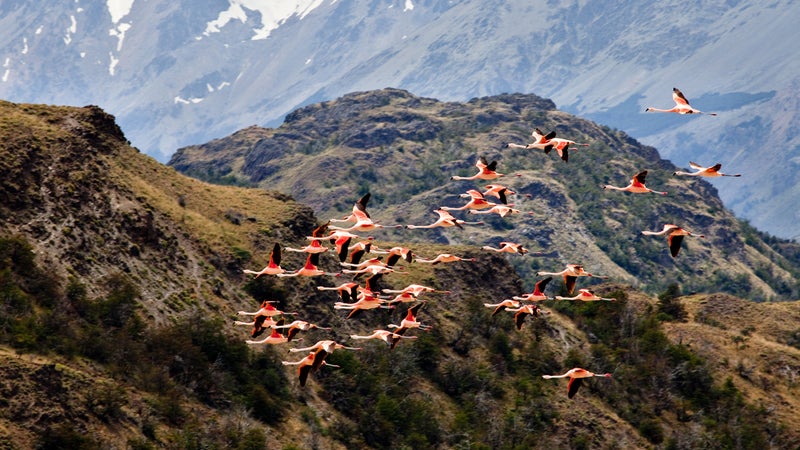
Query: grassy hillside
[[403, 149], [120, 280]]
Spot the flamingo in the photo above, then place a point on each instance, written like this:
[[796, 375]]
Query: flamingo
[[404, 297], [501, 210], [675, 236], [538, 292], [310, 269], [571, 273], [347, 291], [636, 185], [275, 338], [477, 201], [445, 220], [499, 191], [374, 269], [306, 365], [259, 324], [315, 246], [322, 349], [335, 235], [357, 251], [298, 325], [507, 303], [365, 303], [359, 208], [370, 262], [682, 105], [541, 141], [701, 171], [414, 289], [507, 247], [395, 254], [389, 337], [409, 321], [562, 147], [267, 309], [486, 171], [576, 377], [274, 266], [522, 313], [586, 295], [444, 257]]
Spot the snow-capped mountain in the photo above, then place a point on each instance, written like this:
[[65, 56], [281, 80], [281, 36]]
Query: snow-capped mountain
[[181, 72]]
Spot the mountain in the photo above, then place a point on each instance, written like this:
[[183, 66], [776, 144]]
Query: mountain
[[403, 149], [120, 280], [180, 73]]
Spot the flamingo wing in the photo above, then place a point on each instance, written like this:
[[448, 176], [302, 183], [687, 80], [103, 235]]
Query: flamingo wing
[[569, 282], [694, 165], [519, 318], [715, 168], [302, 373], [275, 255], [319, 358], [674, 241], [640, 177], [541, 284], [501, 194], [573, 386], [679, 98]]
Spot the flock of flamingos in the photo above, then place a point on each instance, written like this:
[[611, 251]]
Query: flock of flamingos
[[351, 249]]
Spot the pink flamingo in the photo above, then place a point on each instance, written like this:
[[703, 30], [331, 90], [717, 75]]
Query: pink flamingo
[[307, 364], [541, 141], [682, 105], [675, 236], [538, 292], [477, 201], [636, 185], [445, 220], [274, 265], [486, 171], [507, 247], [522, 313], [507, 303], [444, 258], [576, 377], [571, 274], [389, 337], [500, 210], [310, 269], [701, 171], [586, 295]]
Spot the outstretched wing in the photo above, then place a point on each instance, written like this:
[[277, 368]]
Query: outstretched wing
[[679, 98], [674, 242], [573, 386]]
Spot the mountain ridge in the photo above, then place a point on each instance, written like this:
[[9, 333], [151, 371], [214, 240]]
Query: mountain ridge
[[403, 149]]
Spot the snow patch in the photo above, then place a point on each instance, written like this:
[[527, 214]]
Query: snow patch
[[273, 14], [119, 33], [183, 101], [113, 65], [119, 9]]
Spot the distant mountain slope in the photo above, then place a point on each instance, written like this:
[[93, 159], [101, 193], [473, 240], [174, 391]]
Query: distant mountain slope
[[120, 280], [403, 149], [180, 73]]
